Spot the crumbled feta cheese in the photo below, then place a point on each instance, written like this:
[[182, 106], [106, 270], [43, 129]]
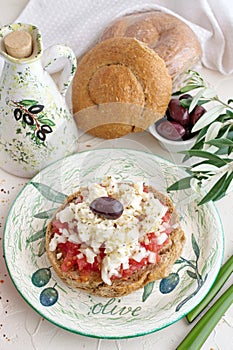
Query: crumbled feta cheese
[[90, 255], [59, 255], [95, 191], [74, 238], [142, 214], [55, 240], [65, 215], [65, 232], [110, 183], [151, 257], [113, 260], [139, 189], [161, 238], [140, 254]]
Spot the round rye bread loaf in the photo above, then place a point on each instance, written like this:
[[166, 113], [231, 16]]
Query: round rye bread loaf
[[171, 38], [120, 86]]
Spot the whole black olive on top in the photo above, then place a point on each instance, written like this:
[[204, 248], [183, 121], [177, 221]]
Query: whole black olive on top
[[107, 207]]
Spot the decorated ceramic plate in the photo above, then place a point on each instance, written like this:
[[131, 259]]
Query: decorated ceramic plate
[[149, 309]]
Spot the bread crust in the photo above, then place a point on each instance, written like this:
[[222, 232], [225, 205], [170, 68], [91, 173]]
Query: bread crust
[[120, 287], [120, 86], [168, 36]]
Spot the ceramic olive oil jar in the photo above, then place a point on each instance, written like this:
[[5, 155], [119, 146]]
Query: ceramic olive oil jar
[[36, 126]]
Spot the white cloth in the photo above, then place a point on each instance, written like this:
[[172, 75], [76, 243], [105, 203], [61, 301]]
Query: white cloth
[[78, 23]]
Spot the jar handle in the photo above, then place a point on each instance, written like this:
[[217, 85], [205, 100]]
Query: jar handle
[[52, 54]]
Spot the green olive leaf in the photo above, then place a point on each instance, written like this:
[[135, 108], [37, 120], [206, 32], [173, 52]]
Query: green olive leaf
[[185, 102], [38, 235], [42, 247], [216, 191], [204, 167], [195, 247], [214, 143], [212, 131], [180, 184], [206, 155], [148, 289], [49, 193], [47, 122], [225, 188], [195, 100], [190, 87], [45, 214], [208, 117], [192, 274], [221, 142], [28, 102]]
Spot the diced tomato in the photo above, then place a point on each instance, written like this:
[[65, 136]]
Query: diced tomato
[[133, 267], [96, 266], [167, 216], [152, 242], [136, 265], [82, 263], [70, 253], [70, 247], [79, 199], [68, 262], [101, 253], [152, 246]]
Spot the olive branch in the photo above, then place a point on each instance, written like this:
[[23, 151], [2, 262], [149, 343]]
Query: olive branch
[[213, 169]]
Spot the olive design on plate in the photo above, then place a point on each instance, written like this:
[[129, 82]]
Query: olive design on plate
[[49, 296], [169, 283], [40, 278], [107, 207]]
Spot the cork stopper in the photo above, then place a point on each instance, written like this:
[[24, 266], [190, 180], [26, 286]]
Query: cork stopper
[[18, 44]]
